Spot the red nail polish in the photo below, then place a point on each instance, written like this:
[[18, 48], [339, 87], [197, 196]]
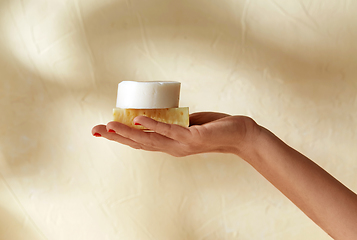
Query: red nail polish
[[111, 130], [97, 135], [137, 123]]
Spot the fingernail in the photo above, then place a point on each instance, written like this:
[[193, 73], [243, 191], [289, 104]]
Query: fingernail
[[111, 130], [97, 135], [137, 123]]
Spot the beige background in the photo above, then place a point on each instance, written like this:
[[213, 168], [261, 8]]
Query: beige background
[[291, 65]]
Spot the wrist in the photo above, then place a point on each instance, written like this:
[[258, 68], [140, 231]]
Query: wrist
[[247, 147]]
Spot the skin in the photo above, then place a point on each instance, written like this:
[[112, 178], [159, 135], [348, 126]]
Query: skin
[[320, 196]]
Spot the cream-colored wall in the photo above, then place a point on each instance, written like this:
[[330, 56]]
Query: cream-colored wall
[[291, 65]]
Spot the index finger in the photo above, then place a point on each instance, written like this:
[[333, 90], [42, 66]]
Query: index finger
[[172, 131]]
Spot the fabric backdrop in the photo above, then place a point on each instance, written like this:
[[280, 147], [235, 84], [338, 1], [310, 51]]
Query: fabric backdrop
[[291, 65]]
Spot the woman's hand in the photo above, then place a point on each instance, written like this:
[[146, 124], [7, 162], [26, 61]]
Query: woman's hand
[[208, 132]]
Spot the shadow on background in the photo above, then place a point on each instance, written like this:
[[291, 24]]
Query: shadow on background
[[16, 227]]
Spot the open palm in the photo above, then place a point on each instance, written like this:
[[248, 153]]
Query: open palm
[[208, 132]]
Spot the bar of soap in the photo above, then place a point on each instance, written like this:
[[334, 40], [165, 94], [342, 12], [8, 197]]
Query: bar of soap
[[179, 116], [148, 95], [157, 100]]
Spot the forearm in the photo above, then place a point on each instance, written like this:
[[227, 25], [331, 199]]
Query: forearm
[[320, 196]]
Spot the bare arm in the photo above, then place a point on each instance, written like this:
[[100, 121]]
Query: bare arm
[[321, 197]]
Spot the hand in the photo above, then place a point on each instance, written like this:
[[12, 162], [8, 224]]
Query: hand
[[208, 132]]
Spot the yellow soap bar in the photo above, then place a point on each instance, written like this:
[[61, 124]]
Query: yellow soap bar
[[179, 116]]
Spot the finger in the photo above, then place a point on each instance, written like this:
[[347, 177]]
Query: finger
[[97, 131], [172, 131], [149, 139], [102, 130]]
